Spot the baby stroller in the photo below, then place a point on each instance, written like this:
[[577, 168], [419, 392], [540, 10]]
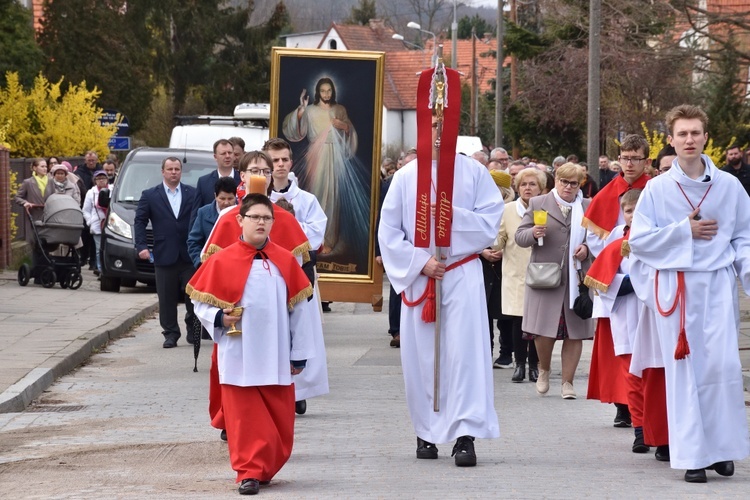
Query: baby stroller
[[61, 224]]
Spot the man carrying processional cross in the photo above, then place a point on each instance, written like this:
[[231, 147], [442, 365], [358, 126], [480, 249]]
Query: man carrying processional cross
[[440, 212]]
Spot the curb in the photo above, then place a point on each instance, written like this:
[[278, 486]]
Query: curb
[[19, 395]]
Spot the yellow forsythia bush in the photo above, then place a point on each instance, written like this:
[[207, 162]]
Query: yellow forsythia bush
[[44, 121]]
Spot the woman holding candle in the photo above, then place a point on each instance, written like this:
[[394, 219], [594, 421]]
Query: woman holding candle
[[528, 184], [563, 241]]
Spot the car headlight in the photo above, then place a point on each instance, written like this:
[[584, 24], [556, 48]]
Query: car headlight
[[119, 226]]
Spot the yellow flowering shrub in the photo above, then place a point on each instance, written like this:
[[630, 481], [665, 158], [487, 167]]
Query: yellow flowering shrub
[[44, 121]]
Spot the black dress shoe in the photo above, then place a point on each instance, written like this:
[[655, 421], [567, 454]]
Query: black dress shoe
[[464, 452], [533, 373], [662, 453], [695, 476], [249, 487], [426, 450], [723, 468], [300, 407], [639, 446], [519, 373], [223, 435], [622, 418], [169, 343]]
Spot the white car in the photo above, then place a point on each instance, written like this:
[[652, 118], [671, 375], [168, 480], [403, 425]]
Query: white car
[[250, 122]]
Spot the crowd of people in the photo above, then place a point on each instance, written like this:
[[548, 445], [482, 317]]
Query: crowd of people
[[667, 359], [643, 262], [83, 183]]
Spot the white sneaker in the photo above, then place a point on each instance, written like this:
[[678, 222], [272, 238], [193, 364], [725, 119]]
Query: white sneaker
[[567, 391]]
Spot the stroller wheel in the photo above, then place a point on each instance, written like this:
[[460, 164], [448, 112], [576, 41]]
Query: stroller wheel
[[65, 279], [48, 278], [24, 274], [75, 280]]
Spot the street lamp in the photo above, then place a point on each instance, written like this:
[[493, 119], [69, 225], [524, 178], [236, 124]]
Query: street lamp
[[416, 26], [400, 38]]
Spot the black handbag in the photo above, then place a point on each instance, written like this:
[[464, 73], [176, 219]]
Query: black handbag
[[583, 306]]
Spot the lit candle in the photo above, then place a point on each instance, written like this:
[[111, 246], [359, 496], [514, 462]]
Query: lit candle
[[257, 184]]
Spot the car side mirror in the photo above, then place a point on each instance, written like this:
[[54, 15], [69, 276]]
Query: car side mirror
[[103, 199]]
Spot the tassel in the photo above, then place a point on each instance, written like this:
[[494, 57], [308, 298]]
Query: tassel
[[683, 348], [428, 311]]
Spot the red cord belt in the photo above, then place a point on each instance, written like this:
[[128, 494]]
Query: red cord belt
[[683, 348], [428, 312]]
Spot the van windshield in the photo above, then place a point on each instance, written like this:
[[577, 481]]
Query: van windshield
[[139, 176]]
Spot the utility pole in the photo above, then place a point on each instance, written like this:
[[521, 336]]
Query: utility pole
[[594, 96], [514, 77], [473, 106], [454, 39], [499, 78]]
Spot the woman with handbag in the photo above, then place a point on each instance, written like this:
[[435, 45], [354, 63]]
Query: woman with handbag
[[529, 183], [551, 280]]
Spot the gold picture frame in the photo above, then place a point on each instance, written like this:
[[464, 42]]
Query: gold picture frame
[[328, 104]]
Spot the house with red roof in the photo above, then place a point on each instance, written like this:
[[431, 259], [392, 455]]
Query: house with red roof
[[402, 67]]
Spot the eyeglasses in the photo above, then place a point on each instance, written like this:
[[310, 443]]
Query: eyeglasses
[[258, 218], [257, 171], [634, 160], [566, 182]]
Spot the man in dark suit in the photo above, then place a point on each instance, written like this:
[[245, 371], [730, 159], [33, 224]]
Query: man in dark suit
[[168, 206], [224, 156], [225, 197]]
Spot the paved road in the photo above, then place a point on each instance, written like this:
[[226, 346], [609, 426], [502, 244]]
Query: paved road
[[132, 423]]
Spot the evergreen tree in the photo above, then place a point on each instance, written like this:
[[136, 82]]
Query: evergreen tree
[[20, 52], [724, 100], [362, 13], [92, 41], [480, 26]]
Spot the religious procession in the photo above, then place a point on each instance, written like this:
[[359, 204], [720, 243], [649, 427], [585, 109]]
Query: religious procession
[[639, 270]]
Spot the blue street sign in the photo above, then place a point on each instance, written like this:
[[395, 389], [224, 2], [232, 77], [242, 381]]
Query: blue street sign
[[117, 143], [109, 117]]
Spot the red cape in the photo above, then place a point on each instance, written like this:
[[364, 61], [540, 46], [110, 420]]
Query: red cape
[[603, 270], [210, 285], [601, 216], [285, 232]]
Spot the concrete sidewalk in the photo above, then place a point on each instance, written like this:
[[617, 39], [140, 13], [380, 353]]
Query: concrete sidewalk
[[46, 333]]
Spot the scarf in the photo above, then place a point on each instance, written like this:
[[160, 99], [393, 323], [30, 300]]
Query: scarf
[[59, 187], [41, 181], [601, 216], [520, 208], [577, 236], [210, 285]]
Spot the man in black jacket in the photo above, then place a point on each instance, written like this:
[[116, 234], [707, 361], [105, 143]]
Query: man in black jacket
[[737, 167]]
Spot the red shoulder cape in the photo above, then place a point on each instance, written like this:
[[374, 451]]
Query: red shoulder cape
[[286, 232], [601, 216], [603, 270], [210, 283]]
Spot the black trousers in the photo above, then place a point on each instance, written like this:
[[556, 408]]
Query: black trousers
[[88, 250], [522, 348], [170, 288], [394, 312], [505, 338]]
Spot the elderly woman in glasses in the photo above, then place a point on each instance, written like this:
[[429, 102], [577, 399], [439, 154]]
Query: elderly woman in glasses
[[548, 313]]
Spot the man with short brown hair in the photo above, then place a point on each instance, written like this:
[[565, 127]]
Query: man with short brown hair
[[690, 239]]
